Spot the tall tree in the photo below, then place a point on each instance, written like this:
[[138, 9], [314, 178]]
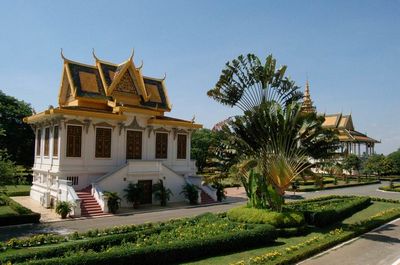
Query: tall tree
[[395, 159], [269, 128], [201, 141], [351, 163], [18, 137]]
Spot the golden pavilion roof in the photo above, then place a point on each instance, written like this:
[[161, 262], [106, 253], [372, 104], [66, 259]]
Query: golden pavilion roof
[[343, 124]]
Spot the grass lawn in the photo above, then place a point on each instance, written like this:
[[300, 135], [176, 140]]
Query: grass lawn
[[17, 190], [283, 244], [7, 211]]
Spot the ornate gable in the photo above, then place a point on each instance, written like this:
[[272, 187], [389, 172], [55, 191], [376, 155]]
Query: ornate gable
[[66, 93], [126, 85]]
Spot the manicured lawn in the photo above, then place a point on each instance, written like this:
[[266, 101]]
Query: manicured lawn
[[17, 190], [285, 245], [7, 211]]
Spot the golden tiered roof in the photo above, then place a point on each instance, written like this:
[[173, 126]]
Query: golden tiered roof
[[345, 128], [108, 90]]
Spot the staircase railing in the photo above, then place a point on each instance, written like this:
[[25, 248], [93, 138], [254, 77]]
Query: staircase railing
[[67, 193], [99, 196]]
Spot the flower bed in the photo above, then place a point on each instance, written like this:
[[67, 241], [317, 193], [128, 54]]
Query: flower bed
[[264, 216], [170, 242], [329, 210]]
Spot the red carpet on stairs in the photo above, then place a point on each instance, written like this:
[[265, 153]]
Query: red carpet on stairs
[[89, 205], [206, 199]]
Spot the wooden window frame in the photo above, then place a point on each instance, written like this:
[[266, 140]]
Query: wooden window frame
[[180, 155], [55, 140], [74, 153], [46, 151], [104, 154], [38, 141], [161, 155], [141, 144]]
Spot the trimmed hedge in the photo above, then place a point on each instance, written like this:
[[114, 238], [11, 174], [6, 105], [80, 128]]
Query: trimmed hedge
[[96, 244], [24, 214], [325, 212], [264, 216], [173, 253]]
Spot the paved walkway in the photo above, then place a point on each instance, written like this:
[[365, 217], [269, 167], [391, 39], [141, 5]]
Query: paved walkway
[[378, 247], [45, 214]]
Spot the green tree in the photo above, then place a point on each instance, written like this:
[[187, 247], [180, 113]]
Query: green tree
[[374, 164], [201, 142], [395, 159], [351, 163], [8, 170], [268, 131], [17, 137]]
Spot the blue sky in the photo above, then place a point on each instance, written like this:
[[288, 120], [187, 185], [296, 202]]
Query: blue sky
[[350, 50]]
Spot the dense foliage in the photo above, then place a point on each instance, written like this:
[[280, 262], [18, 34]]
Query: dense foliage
[[18, 137], [263, 216]]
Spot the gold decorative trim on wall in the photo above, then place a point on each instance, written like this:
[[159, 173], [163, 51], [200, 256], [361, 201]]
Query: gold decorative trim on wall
[[181, 131], [103, 124]]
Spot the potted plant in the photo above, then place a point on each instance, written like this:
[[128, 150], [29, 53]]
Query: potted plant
[[63, 208], [220, 191], [190, 192], [161, 193], [113, 201], [133, 194]]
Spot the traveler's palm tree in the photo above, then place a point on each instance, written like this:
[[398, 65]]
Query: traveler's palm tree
[[246, 82]]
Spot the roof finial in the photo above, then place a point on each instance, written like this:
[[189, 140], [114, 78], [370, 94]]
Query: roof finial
[[132, 53], [94, 55], [62, 55], [140, 67], [165, 76]]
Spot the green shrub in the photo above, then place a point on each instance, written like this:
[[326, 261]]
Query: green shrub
[[327, 211], [24, 214], [172, 253], [262, 216]]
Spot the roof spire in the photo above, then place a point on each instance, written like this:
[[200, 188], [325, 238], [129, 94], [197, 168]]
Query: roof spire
[[307, 106]]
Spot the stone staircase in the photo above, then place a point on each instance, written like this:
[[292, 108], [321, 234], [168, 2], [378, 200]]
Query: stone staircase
[[206, 199], [89, 205]]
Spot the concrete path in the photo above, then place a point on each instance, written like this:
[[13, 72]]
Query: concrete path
[[45, 214], [378, 247]]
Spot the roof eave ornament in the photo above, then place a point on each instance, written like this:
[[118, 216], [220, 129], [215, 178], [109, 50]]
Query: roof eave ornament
[[62, 55], [132, 54], [140, 67], [94, 55], [165, 76]]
